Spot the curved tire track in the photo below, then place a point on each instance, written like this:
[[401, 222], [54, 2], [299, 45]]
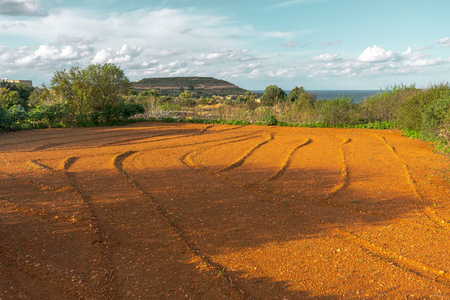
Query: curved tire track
[[422, 206], [118, 164]]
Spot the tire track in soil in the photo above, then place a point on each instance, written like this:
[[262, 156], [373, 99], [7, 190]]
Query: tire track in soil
[[344, 184], [124, 141], [327, 200], [107, 286], [380, 252], [406, 264], [420, 202], [116, 149], [67, 282], [32, 211], [87, 136], [287, 161], [196, 132], [176, 231], [141, 136], [242, 160], [344, 170], [248, 155], [412, 266], [190, 156]]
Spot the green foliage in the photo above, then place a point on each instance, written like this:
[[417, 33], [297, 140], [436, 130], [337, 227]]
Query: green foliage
[[436, 118], [9, 98], [185, 95], [337, 111], [409, 115], [270, 120], [168, 106], [249, 96], [150, 93], [5, 119], [23, 90], [272, 95], [96, 88], [185, 99], [296, 93], [385, 105], [48, 115], [17, 113]]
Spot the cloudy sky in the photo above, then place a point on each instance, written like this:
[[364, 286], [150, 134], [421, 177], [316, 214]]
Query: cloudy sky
[[318, 44]]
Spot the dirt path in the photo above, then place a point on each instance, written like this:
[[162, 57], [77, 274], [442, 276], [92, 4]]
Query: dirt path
[[191, 211]]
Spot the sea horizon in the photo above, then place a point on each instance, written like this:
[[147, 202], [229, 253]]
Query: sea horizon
[[358, 95]]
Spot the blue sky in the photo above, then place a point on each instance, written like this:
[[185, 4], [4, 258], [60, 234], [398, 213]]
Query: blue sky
[[318, 44]]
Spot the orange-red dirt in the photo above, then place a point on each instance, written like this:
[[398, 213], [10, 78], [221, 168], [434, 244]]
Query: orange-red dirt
[[191, 211]]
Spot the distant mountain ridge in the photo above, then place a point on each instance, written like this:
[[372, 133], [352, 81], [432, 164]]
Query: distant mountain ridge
[[199, 86]]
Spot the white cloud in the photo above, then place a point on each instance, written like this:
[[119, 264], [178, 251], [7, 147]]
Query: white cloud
[[47, 54], [376, 54], [326, 57], [374, 61], [124, 55], [407, 52], [283, 73], [169, 53], [444, 41], [424, 62], [175, 68], [223, 56]]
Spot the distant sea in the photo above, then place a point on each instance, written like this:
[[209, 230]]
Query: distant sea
[[358, 95]]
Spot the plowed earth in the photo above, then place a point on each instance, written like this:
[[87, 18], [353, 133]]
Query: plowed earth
[[175, 211]]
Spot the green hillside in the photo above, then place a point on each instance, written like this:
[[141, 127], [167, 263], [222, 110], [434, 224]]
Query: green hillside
[[199, 86]]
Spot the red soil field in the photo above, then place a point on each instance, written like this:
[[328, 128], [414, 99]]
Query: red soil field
[[193, 211]]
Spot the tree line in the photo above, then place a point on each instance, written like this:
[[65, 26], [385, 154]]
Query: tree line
[[102, 94], [90, 96]]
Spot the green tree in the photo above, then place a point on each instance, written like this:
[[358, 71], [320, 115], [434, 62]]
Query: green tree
[[5, 119], [23, 90], [10, 98], [249, 96], [93, 89], [71, 87], [17, 113], [185, 95], [105, 85], [272, 95], [296, 93]]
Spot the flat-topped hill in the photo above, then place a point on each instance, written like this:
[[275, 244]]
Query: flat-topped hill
[[199, 86]]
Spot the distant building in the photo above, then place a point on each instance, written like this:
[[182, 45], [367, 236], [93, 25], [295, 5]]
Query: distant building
[[26, 82]]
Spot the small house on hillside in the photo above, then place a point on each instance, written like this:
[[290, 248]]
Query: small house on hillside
[[26, 82]]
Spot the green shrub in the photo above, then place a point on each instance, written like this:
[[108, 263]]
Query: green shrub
[[270, 120], [409, 116], [5, 119], [436, 117], [49, 115], [169, 106], [336, 111], [384, 106], [81, 120], [17, 113]]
